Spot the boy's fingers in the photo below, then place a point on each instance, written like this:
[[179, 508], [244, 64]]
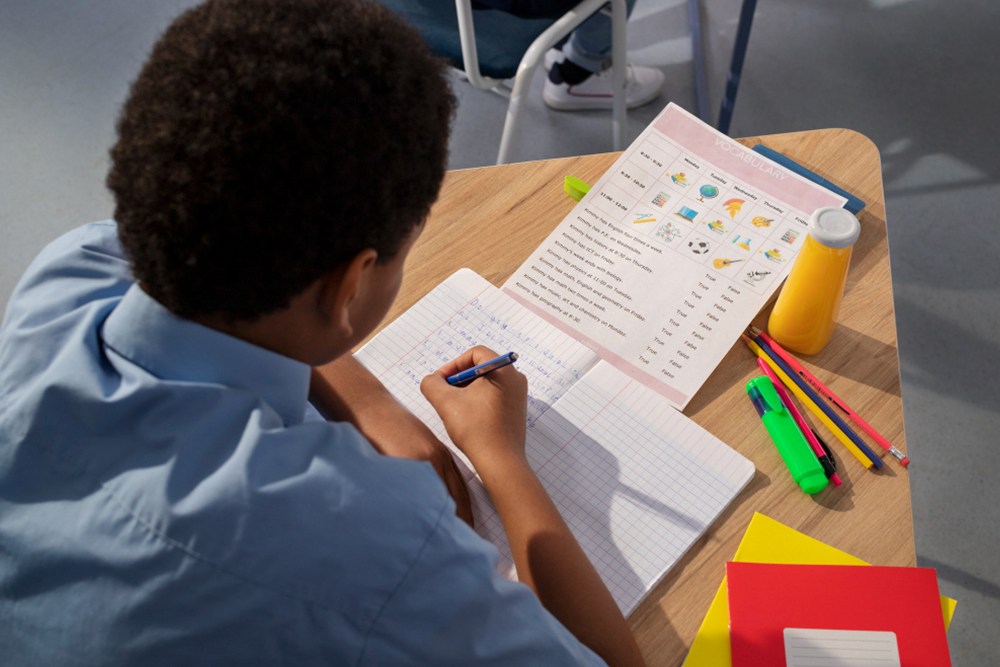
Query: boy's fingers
[[471, 357], [454, 366], [433, 386]]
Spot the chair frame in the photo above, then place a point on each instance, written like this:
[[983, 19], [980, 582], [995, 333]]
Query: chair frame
[[533, 57]]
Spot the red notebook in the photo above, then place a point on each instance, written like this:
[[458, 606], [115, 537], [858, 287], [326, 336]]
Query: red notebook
[[766, 598]]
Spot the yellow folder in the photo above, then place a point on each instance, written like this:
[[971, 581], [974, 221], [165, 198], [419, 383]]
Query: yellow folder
[[768, 541]]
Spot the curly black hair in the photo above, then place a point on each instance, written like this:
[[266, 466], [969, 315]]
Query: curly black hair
[[266, 142]]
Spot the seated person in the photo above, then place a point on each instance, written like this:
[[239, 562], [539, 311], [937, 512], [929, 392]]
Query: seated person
[[168, 495], [578, 70]]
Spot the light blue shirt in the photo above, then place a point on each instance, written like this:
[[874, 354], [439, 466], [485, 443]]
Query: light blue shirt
[[168, 497]]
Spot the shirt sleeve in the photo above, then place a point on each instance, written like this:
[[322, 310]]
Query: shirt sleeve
[[78, 268], [454, 608]]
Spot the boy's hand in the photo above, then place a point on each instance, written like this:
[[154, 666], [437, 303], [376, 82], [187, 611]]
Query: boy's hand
[[413, 440], [344, 390], [486, 418]]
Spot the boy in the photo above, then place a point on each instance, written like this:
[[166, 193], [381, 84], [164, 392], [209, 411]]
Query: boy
[[167, 494]]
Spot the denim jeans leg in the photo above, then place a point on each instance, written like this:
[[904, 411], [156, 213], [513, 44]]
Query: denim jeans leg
[[590, 45]]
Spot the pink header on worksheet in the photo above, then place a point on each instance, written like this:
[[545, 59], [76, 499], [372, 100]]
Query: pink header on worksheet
[[752, 168]]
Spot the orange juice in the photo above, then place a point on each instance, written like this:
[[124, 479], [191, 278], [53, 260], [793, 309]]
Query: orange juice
[[806, 312]]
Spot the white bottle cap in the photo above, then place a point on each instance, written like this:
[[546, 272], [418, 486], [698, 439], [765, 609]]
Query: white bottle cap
[[834, 227]]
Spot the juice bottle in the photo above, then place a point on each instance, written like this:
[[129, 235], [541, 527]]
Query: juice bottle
[[806, 312]]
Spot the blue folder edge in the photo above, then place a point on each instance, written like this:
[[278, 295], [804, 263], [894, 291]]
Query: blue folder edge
[[854, 205]]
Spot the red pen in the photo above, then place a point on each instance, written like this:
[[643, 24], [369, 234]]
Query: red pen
[[830, 396], [821, 454]]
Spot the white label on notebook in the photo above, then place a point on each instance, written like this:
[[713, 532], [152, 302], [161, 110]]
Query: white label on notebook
[[808, 647]]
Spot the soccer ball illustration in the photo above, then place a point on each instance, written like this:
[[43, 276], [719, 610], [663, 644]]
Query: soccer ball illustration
[[698, 247]]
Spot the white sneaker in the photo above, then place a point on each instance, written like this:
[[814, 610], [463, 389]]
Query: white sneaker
[[642, 85], [552, 57]]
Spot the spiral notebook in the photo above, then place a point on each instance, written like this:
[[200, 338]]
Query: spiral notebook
[[637, 481]]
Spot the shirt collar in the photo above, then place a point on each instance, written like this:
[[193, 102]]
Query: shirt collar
[[173, 348]]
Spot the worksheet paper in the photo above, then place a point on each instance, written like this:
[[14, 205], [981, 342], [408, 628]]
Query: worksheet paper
[[636, 481], [662, 265]]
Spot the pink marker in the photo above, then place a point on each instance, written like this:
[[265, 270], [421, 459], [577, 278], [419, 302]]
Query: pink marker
[[817, 448]]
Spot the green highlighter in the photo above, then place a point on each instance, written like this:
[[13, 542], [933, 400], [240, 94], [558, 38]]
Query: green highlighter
[[802, 463]]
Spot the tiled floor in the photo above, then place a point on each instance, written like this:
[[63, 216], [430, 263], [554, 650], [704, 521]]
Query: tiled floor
[[917, 76]]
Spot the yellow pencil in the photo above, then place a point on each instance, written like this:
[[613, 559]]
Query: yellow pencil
[[806, 401]]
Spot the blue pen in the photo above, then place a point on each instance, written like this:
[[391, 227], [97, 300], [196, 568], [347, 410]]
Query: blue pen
[[471, 374]]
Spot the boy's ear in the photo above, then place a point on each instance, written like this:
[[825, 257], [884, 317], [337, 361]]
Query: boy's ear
[[342, 287]]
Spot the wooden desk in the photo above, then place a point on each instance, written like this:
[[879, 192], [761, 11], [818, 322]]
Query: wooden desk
[[489, 219]]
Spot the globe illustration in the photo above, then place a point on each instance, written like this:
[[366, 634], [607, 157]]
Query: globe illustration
[[708, 191]]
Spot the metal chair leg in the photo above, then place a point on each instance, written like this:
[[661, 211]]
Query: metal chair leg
[[698, 59], [736, 66], [533, 57], [619, 18]]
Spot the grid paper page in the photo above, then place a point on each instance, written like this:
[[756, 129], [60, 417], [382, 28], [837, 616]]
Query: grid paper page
[[636, 481], [462, 312]]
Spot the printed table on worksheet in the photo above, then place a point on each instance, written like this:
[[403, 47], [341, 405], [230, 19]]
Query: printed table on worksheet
[[672, 252]]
